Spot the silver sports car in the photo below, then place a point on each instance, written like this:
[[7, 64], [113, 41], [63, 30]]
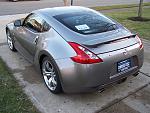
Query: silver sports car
[[76, 49]]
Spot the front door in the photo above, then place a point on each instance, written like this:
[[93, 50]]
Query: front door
[[28, 35]]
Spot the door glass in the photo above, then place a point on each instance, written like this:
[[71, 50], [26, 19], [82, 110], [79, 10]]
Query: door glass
[[36, 23]]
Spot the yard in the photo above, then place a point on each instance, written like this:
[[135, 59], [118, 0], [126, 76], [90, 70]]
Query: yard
[[142, 28], [12, 98]]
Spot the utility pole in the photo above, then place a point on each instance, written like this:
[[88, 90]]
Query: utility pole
[[140, 8]]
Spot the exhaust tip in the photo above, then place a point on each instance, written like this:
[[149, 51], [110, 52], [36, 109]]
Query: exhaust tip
[[101, 90], [136, 74]]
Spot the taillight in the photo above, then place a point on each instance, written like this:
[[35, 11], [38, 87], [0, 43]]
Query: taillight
[[139, 41], [84, 56]]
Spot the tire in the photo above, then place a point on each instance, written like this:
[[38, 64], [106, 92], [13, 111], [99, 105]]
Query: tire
[[10, 41], [51, 75]]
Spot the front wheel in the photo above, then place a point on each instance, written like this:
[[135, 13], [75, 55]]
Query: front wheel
[[10, 41], [51, 75]]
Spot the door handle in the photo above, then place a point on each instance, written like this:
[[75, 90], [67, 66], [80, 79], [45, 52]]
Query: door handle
[[36, 39]]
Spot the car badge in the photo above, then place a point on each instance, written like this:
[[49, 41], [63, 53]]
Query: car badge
[[125, 52]]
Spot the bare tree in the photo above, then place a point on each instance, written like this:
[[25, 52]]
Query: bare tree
[[140, 8]]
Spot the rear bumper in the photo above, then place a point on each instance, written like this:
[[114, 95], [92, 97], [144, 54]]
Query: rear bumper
[[89, 77]]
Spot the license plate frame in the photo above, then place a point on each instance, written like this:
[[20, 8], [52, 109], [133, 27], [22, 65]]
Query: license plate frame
[[123, 65]]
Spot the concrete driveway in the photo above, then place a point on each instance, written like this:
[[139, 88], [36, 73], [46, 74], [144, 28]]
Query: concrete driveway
[[46, 102]]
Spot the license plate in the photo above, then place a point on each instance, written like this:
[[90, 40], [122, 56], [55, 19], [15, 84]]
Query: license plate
[[124, 65]]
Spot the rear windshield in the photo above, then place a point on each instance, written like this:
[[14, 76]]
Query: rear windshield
[[86, 22]]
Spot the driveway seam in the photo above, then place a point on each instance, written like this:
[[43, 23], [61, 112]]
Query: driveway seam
[[120, 99], [144, 74]]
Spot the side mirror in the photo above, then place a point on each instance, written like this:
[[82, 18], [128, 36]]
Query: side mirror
[[17, 23]]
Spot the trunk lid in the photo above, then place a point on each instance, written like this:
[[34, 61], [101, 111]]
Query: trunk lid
[[110, 41]]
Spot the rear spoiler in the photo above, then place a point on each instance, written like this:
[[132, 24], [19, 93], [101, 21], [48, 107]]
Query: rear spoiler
[[111, 41]]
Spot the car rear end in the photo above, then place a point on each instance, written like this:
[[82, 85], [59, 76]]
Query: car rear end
[[81, 75], [106, 52], [118, 61]]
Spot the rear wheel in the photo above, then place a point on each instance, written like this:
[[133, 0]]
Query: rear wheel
[[51, 75], [10, 41]]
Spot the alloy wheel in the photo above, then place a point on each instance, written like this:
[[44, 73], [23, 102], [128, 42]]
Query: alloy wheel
[[9, 41], [49, 75]]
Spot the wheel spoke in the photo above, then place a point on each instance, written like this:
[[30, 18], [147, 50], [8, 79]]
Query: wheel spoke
[[54, 81], [50, 81], [48, 66], [46, 80], [46, 73]]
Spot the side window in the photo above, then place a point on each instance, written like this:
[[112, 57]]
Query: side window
[[46, 26], [36, 23]]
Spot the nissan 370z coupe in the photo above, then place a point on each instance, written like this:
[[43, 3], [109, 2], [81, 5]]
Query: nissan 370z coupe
[[76, 49]]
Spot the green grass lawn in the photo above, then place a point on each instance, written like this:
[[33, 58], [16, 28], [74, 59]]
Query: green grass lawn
[[12, 98], [142, 28], [119, 6]]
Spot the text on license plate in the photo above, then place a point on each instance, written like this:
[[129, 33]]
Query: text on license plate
[[123, 65]]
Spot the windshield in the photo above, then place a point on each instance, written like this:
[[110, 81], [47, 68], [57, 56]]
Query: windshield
[[86, 22]]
